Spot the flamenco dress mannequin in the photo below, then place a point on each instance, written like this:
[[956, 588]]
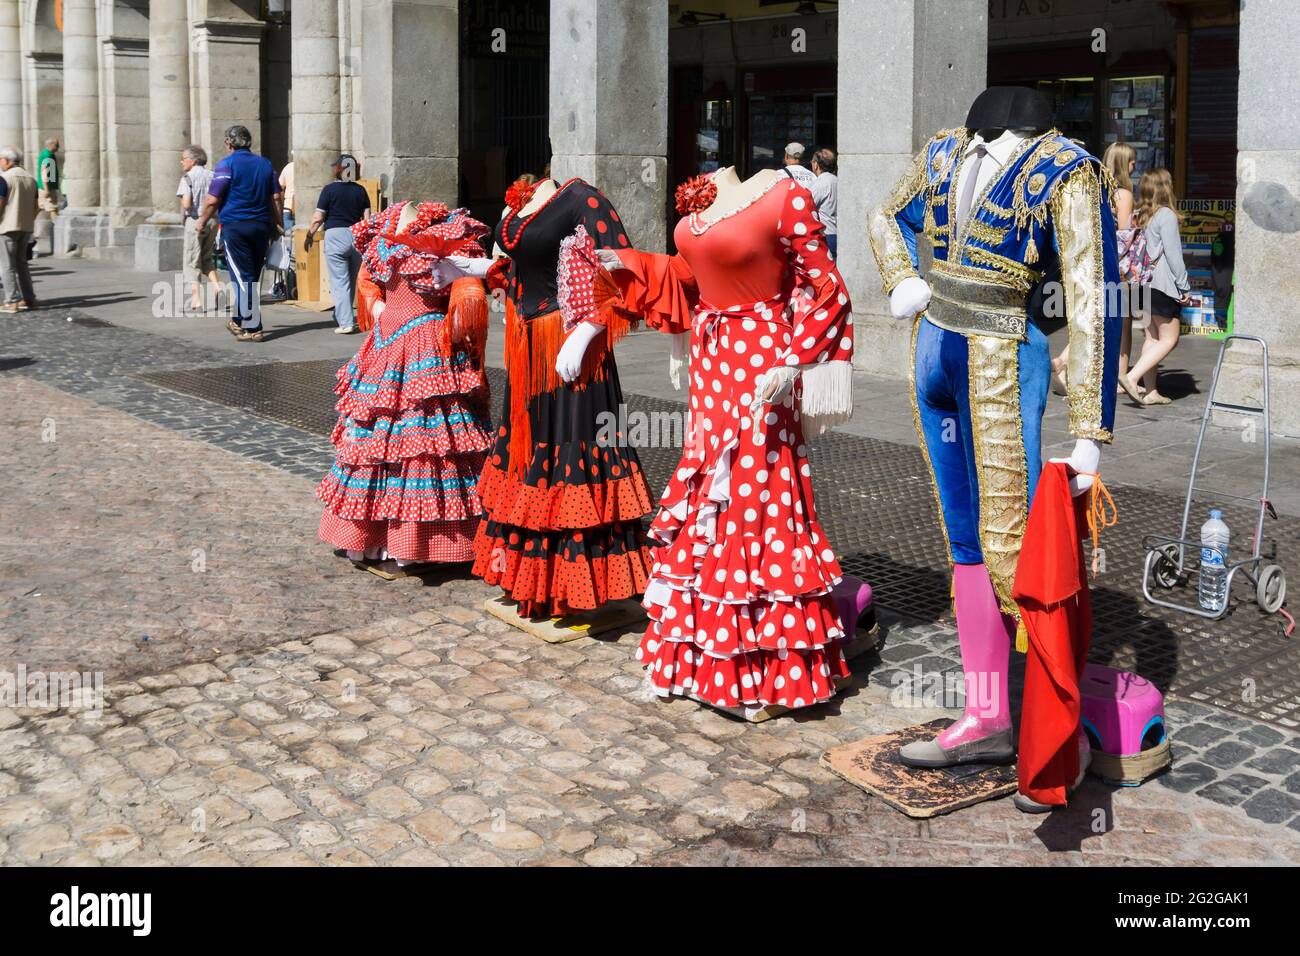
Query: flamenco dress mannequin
[[414, 423], [563, 505], [1010, 207], [739, 598]]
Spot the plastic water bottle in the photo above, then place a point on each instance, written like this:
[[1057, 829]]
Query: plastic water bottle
[[1214, 576]]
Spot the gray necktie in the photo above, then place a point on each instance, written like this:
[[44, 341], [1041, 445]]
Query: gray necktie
[[969, 176]]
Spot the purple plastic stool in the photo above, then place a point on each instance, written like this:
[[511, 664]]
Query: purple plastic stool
[[1124, 717], [852, 598]]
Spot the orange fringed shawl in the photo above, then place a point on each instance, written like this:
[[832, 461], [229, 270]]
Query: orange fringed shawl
[[533, 345]]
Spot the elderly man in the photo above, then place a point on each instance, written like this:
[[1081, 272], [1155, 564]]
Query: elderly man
[[199, 261], [825, 192], [17, 221], [246, 190], [794, 167]]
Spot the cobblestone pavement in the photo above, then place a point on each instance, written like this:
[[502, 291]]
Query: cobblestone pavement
[[287, 708], [448, 737], [128, 548]]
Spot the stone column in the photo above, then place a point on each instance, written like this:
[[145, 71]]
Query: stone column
[[124, 111], [11, 78], [315, 113], [907, 68], [80, 106], [411, 98], [227, 80], [1268, 214], [169, 98], [609, 106], [159, 243]]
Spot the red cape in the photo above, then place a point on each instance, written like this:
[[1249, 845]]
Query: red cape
[[1051, 589]]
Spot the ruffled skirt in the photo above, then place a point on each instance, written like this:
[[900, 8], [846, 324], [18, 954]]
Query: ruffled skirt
[[412, 435], [565, 535], [739, 598]]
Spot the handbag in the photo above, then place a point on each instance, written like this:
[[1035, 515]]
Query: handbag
[[277, 257]]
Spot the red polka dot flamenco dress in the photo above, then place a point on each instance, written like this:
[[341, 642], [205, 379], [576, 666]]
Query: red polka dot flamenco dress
[[564, 503], [739, 597], [414, 423]]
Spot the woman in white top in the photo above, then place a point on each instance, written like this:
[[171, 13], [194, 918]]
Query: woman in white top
[[1168, 290], [1121, 160]]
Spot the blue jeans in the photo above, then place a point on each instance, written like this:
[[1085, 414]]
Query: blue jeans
[[342, 262], [830, 243]]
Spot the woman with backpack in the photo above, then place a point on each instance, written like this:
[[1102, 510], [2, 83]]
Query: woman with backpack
[[1120, 159], [1164, 278]]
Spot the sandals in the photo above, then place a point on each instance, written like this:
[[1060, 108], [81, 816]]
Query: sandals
[[1130, 389], [257, 336], [1155, 398]]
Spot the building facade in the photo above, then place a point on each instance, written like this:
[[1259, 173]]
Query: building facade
[[452, 99]]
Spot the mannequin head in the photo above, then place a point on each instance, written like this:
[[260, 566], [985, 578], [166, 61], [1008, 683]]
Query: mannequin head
[[1009, 107]]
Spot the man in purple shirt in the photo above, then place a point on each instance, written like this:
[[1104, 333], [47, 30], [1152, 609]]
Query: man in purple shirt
[[246, 192]]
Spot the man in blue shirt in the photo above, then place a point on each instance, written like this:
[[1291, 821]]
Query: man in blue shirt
[[246, 192]]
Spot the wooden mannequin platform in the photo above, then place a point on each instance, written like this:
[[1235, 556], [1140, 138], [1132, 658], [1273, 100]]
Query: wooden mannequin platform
[[616, 615]]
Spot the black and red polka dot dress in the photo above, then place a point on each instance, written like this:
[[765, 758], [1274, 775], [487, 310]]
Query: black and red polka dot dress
[[563, 502]]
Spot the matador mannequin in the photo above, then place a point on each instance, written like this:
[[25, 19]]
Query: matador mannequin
[[1020, 221]]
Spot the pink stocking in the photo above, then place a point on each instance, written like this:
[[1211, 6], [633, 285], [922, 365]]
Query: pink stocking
[[984, 634]]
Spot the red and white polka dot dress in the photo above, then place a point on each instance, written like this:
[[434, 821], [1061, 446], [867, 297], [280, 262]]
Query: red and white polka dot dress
[[739, 601]]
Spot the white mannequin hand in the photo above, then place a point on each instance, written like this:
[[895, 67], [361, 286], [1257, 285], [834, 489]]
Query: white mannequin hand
[[771, 387], [445, 273], [609, 258], [1085, 459], [569, 362], [465, 266], [909, 297], [774, 385]]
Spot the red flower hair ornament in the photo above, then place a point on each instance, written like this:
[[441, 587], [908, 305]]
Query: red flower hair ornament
[[696, 194], [519, 193]]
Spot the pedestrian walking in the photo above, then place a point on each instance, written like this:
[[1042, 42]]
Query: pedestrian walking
[[825, 191], [17, 222], [47, 177], [286, 285], [1121, 160], [342, 204], [1168, 289], [794, 167], [198, 257], [246, 191]]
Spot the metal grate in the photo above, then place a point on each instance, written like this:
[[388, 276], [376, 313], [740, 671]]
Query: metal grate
[[875, 499]]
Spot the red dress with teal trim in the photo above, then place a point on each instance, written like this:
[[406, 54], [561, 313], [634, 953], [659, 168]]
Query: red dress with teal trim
[[739, 598], [563, 530], [414, 422]]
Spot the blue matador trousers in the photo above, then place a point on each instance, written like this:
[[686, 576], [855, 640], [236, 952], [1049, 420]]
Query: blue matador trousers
[[978, 404]]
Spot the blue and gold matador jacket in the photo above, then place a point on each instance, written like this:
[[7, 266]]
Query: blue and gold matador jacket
[[1045, 216]]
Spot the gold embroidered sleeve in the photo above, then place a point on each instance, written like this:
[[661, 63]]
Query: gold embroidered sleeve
[[1076, 214], [893, 253]]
